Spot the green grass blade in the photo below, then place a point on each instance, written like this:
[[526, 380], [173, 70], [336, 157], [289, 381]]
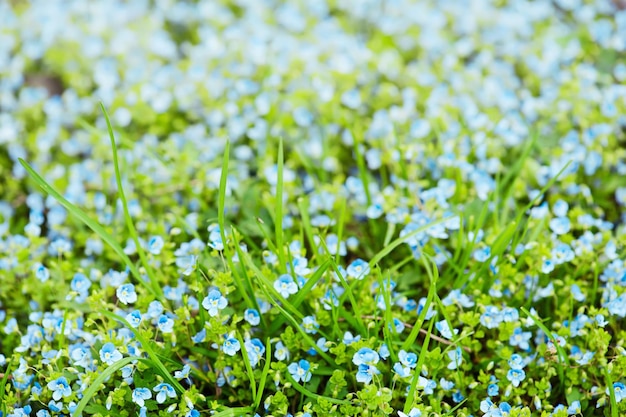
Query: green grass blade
[[89, 222], [249, 371], [234, 412], [278, 220], [360, 163], [432, 292], [387, 316], [245, 290], [95, 386], [129, 220], [340, 226], [418, 369], [609, 384], [309, 394], [306, 221], [299, 297], [264, 375]]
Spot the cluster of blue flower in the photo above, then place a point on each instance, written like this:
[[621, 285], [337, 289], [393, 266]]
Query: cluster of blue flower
[[447, 201]]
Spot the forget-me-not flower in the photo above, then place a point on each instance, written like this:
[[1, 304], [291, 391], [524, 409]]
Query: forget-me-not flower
[[109, 354], [163, 391], [285, 285], [214, 302], [139, 396]]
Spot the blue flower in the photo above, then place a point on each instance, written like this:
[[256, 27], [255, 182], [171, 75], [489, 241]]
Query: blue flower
[[155, 245], [139, 396], [199, 337], [456, 357], [365, 373], [60, 388], [186, 264], [560, 225], [428, 385], [214, 302], [80, 283], [215, 237], [445, 384], [183, 374], [562, 253], [252, 316], [520, 338], [109, 354], [620, 391], [365, 356], [351, 98], [55, 406], [300, 371], [281, 353], [163, 391], [516, 361], [491, 318], [402, 371], [547, 266], [322, 343], [255, 350], [457, 397], [358, 269], [407, 359], [560, 208], [231, 346], [126, 293], [374, 211], [445, 330], [577, 293], [383, 351], [134, 318], [41, 272], [481, 255], [310, 325], [155, 309], [492, 410], [398, 325], [165, 324], [516, 376], [348, 338], [285, 285], [574, 408]]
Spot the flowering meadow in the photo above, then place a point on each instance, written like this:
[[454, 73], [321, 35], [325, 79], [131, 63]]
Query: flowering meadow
[[312, 208]]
